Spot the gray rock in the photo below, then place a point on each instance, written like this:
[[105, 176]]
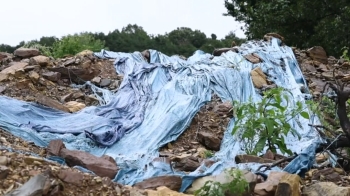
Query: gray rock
[[105, 82], [52, 76], [34, 187], [26, 52]]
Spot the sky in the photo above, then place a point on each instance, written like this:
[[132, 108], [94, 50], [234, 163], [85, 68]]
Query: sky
[[23, 20]]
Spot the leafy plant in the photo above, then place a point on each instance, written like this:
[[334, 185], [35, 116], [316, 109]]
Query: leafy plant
[[237, 185], [208, 154], [267, 121], [345, 53], [72, 44]]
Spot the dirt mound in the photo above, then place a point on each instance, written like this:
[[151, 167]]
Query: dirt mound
[[49, 82]]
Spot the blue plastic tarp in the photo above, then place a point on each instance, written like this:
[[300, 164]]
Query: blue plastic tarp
[[157, 101]]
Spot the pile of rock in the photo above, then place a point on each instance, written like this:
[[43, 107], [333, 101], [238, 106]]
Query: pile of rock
[[29, 76]]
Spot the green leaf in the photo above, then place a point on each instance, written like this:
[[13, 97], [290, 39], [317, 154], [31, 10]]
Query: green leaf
[[269, 125], [305, 115]]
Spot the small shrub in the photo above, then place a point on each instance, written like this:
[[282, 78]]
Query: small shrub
[[267, 122], [72, 44], [237, 186], [208, 154]]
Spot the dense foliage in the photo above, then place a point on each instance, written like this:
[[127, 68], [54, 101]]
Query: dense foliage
[[183, 41], [303, 23], [266, 123]]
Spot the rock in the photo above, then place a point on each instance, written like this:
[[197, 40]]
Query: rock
[[41, 60], [105, 82], [32, 67], [34, 77], [164, 191], [251, 159], [46, 83], [322, 68], [114, 85], [289, 185], [268, 36], [172, 182], [74, 106], [325, 188], [34, 187], [51, 103], [258, 77], [309, 68], [52, 76], [328, 75], [4, 171], [146, 55], [96, 80], [78, 95], [223, 178], [26, 52], [329, 174], [100, 166], [91, 100], [317, 53], [5, 55], [218, 52], [14, 67], [77, 75], [209, 140], [3, 77], [55, 146], [4, 160], [23, 84], [69, 62], [253, 58], [85, 53], [189, 163], [71, 177], [270, 185], [223, 108], [2, 89], [67, 97]]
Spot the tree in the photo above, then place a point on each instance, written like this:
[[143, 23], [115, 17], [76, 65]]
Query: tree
[[7, 48], [297, 21], [48, 41], [213, 36]]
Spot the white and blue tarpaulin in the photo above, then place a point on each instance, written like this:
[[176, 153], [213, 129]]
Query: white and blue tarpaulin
[[157, 101]]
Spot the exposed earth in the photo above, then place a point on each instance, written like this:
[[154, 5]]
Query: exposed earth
[[28, 76]]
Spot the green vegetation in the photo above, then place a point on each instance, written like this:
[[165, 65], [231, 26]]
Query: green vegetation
[[267, 121], [297, 21], [73, 44], [237, 185], [208, 154], [182, 41]]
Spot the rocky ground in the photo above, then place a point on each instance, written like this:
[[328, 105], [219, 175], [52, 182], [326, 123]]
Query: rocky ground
[[26, 75]]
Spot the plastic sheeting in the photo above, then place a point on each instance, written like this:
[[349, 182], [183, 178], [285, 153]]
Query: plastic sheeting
[[156, 103]]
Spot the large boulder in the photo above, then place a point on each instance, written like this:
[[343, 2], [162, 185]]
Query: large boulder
[[26, 52], [317, 53]]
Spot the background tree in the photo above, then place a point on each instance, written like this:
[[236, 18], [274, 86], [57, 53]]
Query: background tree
[[182, 41], [303, 23]]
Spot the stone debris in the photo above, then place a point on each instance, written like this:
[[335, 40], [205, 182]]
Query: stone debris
[[326, 188]]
